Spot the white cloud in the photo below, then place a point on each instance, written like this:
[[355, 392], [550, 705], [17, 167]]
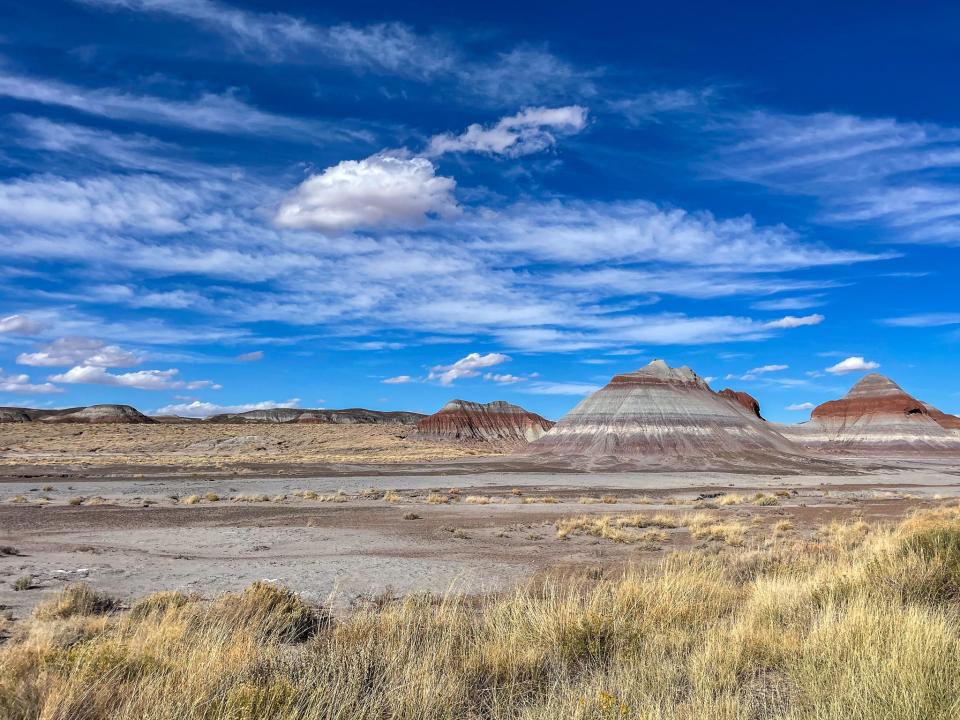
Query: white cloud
[[650, 106], [465, 367], [19, 325], [560, 388], [253, 356], [791, 321], [80, 351], [758, 371], [925, 320], [853, 364], [382, 190], [398, 380], [798, 407], [529, 131], [208, 113], [384, 47], [141, 379], [503, 379], [21, 384], [898, 175], [790, 303], [207, 409]]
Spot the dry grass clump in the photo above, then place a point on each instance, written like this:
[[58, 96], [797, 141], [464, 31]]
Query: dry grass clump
[[19, 499], [9, 550], [251, 498], [813, 631], [438, 499], [478, 499], [392, 496], [76, 599], [211, 497], [191, 500], [765, 499], [75, 501], [731, 499], [616, 528], [24, 582]]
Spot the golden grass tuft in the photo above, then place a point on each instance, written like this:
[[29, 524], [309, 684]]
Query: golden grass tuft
[[831, 629]]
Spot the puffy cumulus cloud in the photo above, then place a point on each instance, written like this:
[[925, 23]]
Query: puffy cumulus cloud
[[469, 366], [791, 321], [21, 384], [201, 409], [853, 364], [529, 131], [383, 190], [19, 325], [397, 380], [80, 351], [141, 379], [253, 356], [800, 407]]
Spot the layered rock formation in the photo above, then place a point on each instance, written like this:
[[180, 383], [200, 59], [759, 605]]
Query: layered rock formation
[[497, 422], [667, 417], [14, 415], [746, 400], [877, 415], [351, 416], [123, 414]]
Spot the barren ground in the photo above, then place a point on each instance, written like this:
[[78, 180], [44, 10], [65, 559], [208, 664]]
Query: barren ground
[[136, 509]]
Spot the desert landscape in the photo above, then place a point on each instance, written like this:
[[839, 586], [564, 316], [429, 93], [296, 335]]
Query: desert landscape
[[536, 552], [491, 361]]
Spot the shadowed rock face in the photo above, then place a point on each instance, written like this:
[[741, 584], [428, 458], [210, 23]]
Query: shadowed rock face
[[667, 416], [123, 414], [497, 421], [745, 399], [352, 416], [14, 415], [877, 414]]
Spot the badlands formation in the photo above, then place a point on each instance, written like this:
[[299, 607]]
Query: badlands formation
[[667, 416], [878, 417], [497, 422]]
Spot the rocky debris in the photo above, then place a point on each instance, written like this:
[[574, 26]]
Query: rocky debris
[[745, 399], [667, 417], [100, 414], [878, 415], [351, 416], [497, 421]]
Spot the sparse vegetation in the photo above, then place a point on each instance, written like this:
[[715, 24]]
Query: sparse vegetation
[[211, 497], [411, 516], [438, 499], [828, 629], [478, 499], [191, 500], [24, 582], [9, 550], [392, 496], [75, 501]]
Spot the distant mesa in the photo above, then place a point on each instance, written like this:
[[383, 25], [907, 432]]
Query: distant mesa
[[493, 422], [96, 414], [877, 415], [351, 416], [745, 399]]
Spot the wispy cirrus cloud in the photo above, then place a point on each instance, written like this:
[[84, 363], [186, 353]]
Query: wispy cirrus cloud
[[208, 112], [924, 320]]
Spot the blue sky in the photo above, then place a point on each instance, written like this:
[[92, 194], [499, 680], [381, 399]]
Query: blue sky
[[210, 206]]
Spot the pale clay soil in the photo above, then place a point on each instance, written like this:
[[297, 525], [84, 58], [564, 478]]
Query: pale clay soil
[[132, 533]]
